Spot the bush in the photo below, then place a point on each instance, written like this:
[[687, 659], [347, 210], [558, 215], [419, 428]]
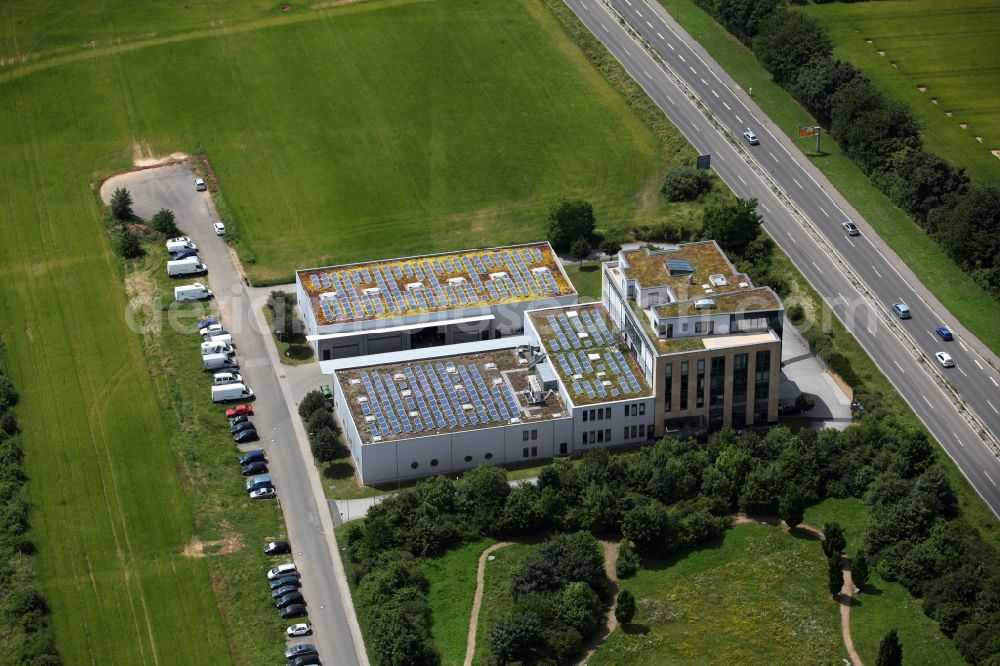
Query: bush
[[325, 445], [805, 401], [685, 183], [8, 394], [580, 248], [165, 223], [568, 221], [625, 607], [628, 562], [121, 205], [796, 314], [311, 401], [612, 242], [128, 245]]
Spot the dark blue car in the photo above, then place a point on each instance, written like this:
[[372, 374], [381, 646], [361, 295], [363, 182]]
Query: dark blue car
[[208, 321], [945, 333]]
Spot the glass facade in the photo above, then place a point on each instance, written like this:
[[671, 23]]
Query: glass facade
[[684, 384], [699, 399], [717, 392], [668, 393], [740, 362], [762, 377]]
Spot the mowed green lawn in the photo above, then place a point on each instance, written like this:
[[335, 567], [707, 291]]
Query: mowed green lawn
[[371, 130], [758, 596], [948, 47]]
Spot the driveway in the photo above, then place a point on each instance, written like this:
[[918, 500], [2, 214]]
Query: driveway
[[307, 514]]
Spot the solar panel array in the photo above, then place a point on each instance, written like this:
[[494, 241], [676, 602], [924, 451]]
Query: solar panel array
[[358, 293], [571, 350], [431, 397]]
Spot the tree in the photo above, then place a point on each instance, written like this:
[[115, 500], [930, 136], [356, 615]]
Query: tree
[[834, 541], [792, 506], [513, 638], [648, 527], [612, 242], [818, 81], [870, 127], [165, 222], [890, 651], [579, 607], [311, 401], [835, 575], [8, 394], [684, 183], [121, 205], [128, 245], [321, 418], [482, 496], [580, 249], [859, 570], [624, 607], [325, 445], [787, 41], [568, 221], [732, 226], [918, 182], [970, 231], [628, 562]]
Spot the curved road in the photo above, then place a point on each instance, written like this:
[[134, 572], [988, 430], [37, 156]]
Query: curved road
[[859, 277]]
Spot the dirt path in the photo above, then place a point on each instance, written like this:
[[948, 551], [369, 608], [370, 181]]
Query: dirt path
[[610, 622], [477, 600], [846, 596]]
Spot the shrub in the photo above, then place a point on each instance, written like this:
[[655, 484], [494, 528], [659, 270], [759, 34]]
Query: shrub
[[165, 223], [568, 221], [128, 245], [796, 314], [325, 445], [612, 242], [311, 401], [121, 205], [628, 562], [684, 183], [580, 248], [625, 607], [805, 401], [8, 394]]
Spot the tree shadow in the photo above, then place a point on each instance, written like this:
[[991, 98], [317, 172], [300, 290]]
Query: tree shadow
[[804, 534], [660, 563], [338, 470], [634, 628], [871, 590], [589, 268]]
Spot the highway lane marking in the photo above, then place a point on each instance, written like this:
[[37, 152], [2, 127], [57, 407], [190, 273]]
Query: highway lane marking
[[659, 35], [681, 57], [903, 371], [628, 3], [872, 332], [977, 364], [989, 477], [671, 46], [648, 75], [962, 346], [927, 401], [703, 81], [638, 13], [791, 237], [963, 372], [605, 28], [764, 206], [956, 438], [649, 24], [741, 179], [876, 272], [695, 125], [726, 105], [692, 69], [627, 51], [670, 100], [993, 406], [770, 153], [797, 183], [814, 265], [719, 155], [851, 242], [824, 211], [738, 119], [994, 382]]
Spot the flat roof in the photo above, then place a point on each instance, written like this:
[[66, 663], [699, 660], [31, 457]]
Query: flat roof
[[434, 283], [582, 346], [395, 401], [691, 265], [739, 339], [754, 299]]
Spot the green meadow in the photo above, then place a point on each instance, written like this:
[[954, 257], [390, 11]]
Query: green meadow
[[946, 47], [367, 130]]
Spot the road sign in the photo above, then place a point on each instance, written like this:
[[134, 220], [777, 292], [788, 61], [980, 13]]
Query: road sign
[[806, 132], [704, 161]]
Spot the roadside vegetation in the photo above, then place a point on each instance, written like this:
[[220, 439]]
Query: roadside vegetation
[[287, 328]]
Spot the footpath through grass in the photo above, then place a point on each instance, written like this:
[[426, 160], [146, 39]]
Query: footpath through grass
[[975, 308]]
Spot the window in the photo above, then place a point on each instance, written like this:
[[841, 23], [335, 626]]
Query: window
[[592, 437], [592, 415], [534, 451], [626, 433], [668, 394], [642, 409], [739, 415], [414, 465], [434, 462], [633, 432], [600, 436], [584, 438], [534, 434], [699, 399], [524, 436], [626, 410], [699, 327], [585, 413], [684, 385], [524, 452], [635, 409], [607, 412], [468, 458], [642, 430], [562, 448], [761, 383], [488, 456], [607, 435]]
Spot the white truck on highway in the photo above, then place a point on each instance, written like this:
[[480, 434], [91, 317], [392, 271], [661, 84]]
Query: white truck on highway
[[192, 292], [211, 362], [180, 243], [237, 391], [186, 266]]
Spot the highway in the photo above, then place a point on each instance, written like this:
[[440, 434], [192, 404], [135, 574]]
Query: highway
[[858, 277]]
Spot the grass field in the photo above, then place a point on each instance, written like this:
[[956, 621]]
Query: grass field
[[497, 597], [946, 47], [976, 309], [757, 596]]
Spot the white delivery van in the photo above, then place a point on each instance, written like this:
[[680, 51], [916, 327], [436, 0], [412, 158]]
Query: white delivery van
[[224, 392], [211, 362], [180, 243], [186, 266], [226, 378], [192, 292], [216, 348], [211, 330], [223, 337]]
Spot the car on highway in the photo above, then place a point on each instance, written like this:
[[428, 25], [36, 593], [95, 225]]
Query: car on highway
[[751, 138], [289, 599], [300, 629], [901, 309], [945, 333], [284, 569], [944, 358], [244, 436], [277, 548], [199, 184], [220, 229], [252, 456], [300, 650], [851, 229], [206, 322], [256, 467], [240, 426], [283, 590], [295, 610], [267, 492], [239, 410], [291, 579]]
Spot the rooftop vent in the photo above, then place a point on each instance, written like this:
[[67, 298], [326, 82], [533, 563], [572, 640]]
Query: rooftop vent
[[456, 280], [498, 276], [704, 304], [572, 313], [718, 280], [373, 291], [744, 285], [414, 286], [679, 267], [540, 271], [328, 296]]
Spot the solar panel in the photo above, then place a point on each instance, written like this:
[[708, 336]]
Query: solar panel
[[554, 344], [515, 408], [679, 266]]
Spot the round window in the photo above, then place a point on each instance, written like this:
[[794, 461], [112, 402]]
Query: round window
[[468, 458], [434, 462], [413, 465], [488, 456]]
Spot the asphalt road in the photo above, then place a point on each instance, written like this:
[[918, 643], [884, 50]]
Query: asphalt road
[[858, 277], [172, 187]]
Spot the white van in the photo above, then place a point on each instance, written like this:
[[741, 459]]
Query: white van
[[220, 378], [219, 362], [216, 348], [186, 266], [181, 243], [192, 292], [238, 391], [223, 337]]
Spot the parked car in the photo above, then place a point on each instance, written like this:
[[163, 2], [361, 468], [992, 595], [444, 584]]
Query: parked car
[[289, 599], [282, 581], [283, 590], [300, 650], [284, 569], [199, 185], [206, 322], [259, 482], [256, 467], [851, 229], [901, 310], [239, 410], [183, 254], [751, 138], [944, 358], [267, 492], [307, 660], [244, 436], [220, 229], [252, 456], [241, 426], [327, 392], [945, 333], [277, 548], [295, 610], [300, 629]]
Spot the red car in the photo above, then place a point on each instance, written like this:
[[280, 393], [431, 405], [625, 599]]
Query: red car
[[239, 410]]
